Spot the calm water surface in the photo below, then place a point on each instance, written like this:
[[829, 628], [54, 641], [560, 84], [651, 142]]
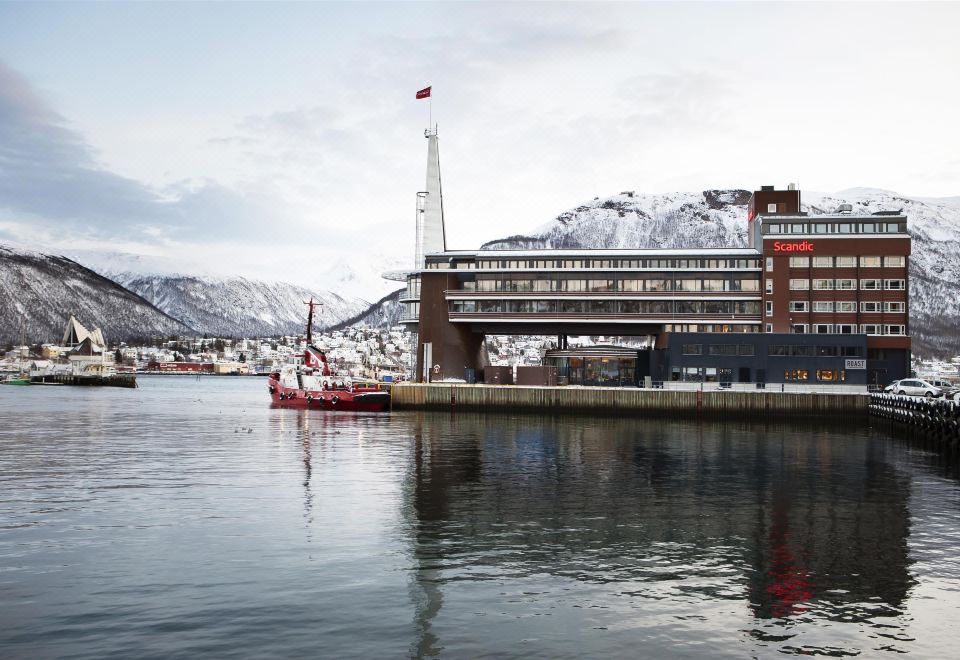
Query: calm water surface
[[187, 518]]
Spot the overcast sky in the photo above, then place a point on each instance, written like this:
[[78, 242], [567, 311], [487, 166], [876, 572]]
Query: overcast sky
[[239, 133]]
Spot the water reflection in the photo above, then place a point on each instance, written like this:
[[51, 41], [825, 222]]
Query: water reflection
[[792, 524]]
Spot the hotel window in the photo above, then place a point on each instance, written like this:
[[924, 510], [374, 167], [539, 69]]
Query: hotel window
[[692, 349], [769, 306], [823, 262], [769, 286], [870, 285], [846, 306], [895, 330], [823, 306], [894, 285], [869, 307], [894, 228], [868, 228], [799, 285], [771, 208], [846, 262], [870, 329], [831, 375], [769, 327], [769, 264], [870, 262], [894, 262], [631, 285], [722, 349], [796, 374], [659, 285], [895, 307], [687, 285], [799, 306], [823, 285], [746, 307], [573, 285], [798, 328], [846, 329], [799, 262], [844, 228], [773, 229], [600, 285], [846, 285], [822, 328], [713, 285], [798, 229], [821, 228]]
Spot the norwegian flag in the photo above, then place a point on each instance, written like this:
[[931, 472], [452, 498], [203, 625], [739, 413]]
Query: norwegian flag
[[424, 93]]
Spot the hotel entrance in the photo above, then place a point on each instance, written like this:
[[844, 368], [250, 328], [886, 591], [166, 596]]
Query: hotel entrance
[[600, 366]]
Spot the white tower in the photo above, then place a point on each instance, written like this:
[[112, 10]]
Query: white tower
[[431, 234]]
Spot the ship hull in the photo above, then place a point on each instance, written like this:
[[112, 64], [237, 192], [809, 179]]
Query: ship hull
[[356, 400]]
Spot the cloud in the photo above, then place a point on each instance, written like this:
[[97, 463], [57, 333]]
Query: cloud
[[50, 174]]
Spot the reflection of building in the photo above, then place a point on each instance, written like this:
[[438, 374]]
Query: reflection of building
[[835, 276], [600, 500]]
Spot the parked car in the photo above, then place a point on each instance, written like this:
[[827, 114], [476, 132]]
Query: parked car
[[918, 387], [891, 388], [944, 385]]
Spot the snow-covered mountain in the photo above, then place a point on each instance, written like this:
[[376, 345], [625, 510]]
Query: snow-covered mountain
[[717, 218], [237, 306], [384, 313], [38, 292]]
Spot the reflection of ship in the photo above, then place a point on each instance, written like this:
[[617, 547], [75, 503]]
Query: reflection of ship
[[310, 383]]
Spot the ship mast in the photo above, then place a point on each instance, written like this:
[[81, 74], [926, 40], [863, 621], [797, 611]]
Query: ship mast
[[310, 319]]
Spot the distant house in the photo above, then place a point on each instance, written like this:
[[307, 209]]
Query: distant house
[[89, 359]]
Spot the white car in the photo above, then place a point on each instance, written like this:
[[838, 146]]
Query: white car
[[918, 387]]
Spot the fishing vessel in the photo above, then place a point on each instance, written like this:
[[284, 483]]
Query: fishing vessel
[[310, 383]]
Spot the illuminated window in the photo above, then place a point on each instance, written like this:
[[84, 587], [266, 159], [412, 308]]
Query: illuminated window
[[870, 262], [846, 262], [799, 262], [894, 262], [796, 374], [831, 375]]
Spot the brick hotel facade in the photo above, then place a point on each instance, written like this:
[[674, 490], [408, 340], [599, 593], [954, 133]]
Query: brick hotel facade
[[813, 299]]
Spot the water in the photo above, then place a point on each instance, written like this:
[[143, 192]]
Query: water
[[187, 518]]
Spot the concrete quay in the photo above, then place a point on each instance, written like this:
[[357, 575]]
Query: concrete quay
[[721, 403]]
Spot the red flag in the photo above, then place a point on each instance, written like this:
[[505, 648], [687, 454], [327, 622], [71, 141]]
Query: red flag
[[424, 93]]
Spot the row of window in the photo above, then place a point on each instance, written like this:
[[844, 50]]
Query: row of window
[[548, 283], [845, 328], [845, 262], [893, 307], [824, 350], [611, 263], [710, 327], [836, 228], [823, 375], [748, 307], [718, 349], [844, 285]]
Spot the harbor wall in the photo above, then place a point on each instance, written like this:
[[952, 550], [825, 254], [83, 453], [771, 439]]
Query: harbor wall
[[648, 402]]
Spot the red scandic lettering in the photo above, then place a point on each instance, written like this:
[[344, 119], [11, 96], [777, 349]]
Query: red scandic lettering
[[804, 246]]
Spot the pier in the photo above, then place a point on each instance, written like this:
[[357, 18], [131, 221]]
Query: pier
[[718, 402], [933, 422]]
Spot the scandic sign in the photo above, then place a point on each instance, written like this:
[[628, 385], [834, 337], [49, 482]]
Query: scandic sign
[[802, 246]]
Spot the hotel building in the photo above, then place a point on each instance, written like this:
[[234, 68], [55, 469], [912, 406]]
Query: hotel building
[[813, 299]]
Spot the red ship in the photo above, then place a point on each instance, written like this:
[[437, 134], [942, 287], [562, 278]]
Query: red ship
[[310, 383]]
